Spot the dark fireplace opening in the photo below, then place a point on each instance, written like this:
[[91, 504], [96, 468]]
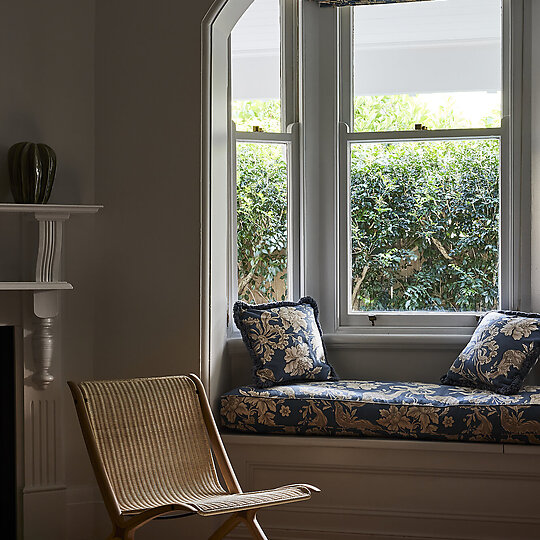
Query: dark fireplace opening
[[7, 414]]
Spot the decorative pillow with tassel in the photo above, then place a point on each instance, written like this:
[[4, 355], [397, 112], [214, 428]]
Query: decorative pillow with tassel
[[284, 340], [502, 350]]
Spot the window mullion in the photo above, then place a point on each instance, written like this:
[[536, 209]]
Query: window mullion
[[345, 62], [424, 135], [294, 205], [289, 62], [263, 137], [233, 226]]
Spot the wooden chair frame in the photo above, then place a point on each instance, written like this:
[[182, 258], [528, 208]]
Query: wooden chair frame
[[124, 524]]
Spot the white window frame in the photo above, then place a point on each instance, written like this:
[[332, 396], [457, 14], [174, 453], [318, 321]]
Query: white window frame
[[288, 136], [318, 241], [514, 289]]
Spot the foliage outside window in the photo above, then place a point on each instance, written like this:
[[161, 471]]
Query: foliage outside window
[[262, 222], [424, 216], [424, 226]]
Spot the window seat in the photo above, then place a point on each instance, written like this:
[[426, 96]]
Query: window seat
[[398, 410]]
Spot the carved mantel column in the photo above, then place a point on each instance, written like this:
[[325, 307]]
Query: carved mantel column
[[43, 349]]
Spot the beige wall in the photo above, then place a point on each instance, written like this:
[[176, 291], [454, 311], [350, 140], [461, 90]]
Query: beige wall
[[148, 103], [148, 118]]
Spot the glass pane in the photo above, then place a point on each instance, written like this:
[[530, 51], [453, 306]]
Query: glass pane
[[261, 184], [432, 63], [255, 60], [424, 225]]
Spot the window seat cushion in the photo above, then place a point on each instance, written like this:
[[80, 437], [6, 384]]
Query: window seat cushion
[[405, 410]]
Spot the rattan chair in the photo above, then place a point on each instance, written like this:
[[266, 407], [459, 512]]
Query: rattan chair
[[152, 443]]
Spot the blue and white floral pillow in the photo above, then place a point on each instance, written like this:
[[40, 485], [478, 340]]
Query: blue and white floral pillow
[[502, 350], [284, 340]]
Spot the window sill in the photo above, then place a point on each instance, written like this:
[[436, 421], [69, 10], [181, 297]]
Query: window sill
[[383, 340], [394, 339]]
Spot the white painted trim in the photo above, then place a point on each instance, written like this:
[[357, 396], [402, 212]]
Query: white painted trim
[[262, 137], [368, 443], [398, 340], [289, 61], [294, 212], [424, 135], [46, 210], [383, 339], [35, 285], [206, 128], [214, 38]]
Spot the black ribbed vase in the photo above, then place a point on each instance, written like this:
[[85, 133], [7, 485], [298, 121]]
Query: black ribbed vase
[[31, 172]]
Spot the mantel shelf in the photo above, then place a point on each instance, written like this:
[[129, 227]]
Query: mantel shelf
[[35, 286], [48, 280], [52, 209]]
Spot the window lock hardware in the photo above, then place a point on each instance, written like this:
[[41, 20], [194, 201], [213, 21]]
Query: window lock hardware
[[258, 129], [419, 127], [372, 319]]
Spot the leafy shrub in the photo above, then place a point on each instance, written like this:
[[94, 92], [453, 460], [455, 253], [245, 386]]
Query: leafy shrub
[[424, 225], [262, 222], [424, 216]]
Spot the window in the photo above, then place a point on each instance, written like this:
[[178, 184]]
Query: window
[[424, 225], [376, 162], [423, 162], [261, 216], [265, 152]]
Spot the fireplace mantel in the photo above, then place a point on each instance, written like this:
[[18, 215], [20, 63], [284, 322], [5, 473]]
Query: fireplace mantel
[[48, 281]]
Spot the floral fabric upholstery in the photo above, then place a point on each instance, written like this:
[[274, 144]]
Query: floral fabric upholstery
[[284, 340], [345, 3], [502, 350], [385, 409]]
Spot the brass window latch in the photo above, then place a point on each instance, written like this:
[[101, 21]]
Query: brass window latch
[[418, 127], [257, 129], [372, 319]]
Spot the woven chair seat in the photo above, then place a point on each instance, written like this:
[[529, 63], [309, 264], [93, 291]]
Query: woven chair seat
[[237, 502]]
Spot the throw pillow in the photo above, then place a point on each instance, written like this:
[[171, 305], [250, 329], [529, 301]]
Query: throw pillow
[[284, 340], [502, 350]]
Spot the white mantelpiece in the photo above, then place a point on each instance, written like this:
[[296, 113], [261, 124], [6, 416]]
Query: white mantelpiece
[[30, 302], [48, 281]]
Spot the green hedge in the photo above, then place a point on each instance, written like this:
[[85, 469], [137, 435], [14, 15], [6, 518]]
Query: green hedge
[[424, 216]]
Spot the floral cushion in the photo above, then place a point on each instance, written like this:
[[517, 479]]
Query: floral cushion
[[403, 410], [502, 350], [284, 340]]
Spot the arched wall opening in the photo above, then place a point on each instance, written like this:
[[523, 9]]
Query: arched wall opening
[[215, 190]]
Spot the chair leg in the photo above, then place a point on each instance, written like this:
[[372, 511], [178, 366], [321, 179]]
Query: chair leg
[[226, 527], [122, 534], [253, 525]]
